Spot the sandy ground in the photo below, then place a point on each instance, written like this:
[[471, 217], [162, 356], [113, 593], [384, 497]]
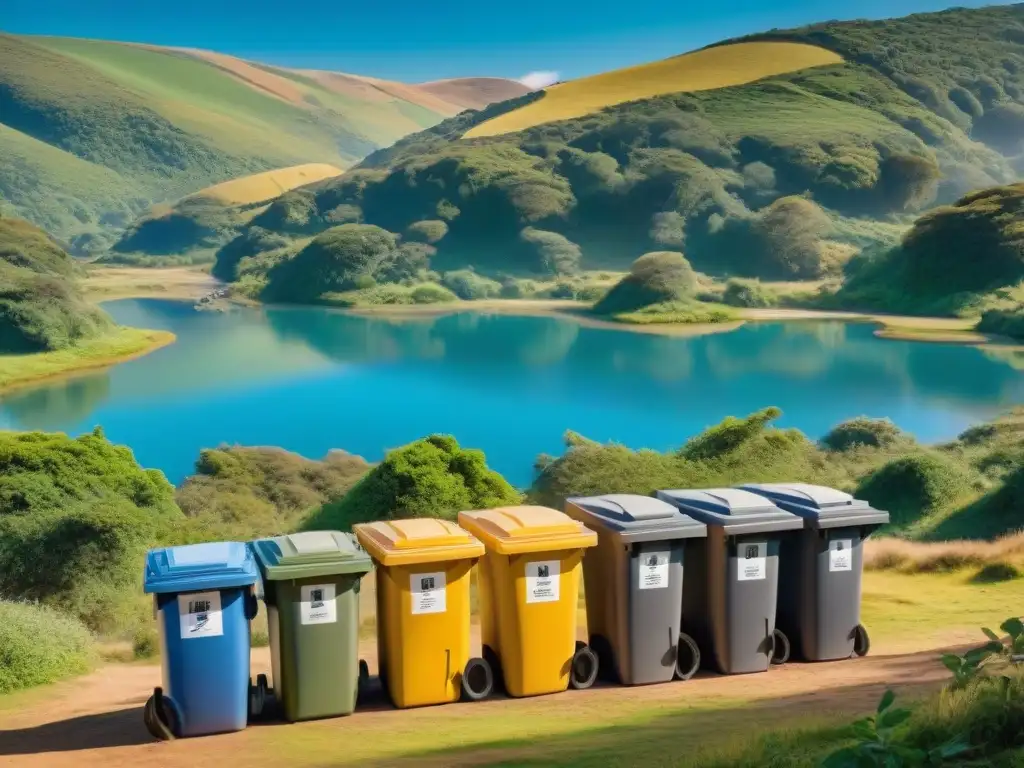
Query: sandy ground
[[107, 283], [97, 720]]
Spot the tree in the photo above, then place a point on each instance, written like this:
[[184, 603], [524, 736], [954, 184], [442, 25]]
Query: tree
[[555, 253], [668, 228], [427, 231], [432, 477], [654, 278]]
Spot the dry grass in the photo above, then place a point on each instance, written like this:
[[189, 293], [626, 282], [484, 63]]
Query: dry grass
[[704, 70], [889, 554], [267, 185], [104, 283], [474, 92]]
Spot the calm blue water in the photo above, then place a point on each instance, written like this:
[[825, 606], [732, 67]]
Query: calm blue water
[[311, 379]]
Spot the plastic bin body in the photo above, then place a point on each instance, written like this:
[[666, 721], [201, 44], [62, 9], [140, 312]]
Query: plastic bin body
[[633, 581], [529, 593], [203, 599], [730, 595], [820, 579], [423, 606], [311, 590]]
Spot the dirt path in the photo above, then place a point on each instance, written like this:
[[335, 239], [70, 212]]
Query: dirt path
[[97, 720]]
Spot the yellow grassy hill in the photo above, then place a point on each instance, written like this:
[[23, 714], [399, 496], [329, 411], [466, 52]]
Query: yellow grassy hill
[[703, 70], [267, 185]]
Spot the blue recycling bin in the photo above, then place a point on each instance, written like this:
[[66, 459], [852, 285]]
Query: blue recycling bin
[[203, 601]]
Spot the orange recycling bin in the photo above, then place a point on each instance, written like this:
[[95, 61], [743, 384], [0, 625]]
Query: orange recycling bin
[[423, 576], [529, 583]]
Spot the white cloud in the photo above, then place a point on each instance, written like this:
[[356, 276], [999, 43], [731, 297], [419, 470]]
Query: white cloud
[[537, 80]]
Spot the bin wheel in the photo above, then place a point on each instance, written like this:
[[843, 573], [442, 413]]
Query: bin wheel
[[606, 669], [780, 647], [495, 664], [477, 680], [861, 641], [584, 668], [364, 670], [258, 697], [687, 657], [159, 717]]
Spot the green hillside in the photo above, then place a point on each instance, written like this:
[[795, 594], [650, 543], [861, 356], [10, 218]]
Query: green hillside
[[92, 132], [904, 123]]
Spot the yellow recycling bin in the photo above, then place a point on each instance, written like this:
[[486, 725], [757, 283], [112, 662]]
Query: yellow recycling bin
[[423, 576], [529, 589]]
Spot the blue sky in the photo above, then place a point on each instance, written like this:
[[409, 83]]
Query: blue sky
[[417, 40]]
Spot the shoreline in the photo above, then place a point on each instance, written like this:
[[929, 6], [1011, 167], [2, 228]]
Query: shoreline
[[119, 346]]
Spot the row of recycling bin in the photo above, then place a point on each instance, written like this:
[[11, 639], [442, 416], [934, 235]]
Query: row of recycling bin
[[770, 569]]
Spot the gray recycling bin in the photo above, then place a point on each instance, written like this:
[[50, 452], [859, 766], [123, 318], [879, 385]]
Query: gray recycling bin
[[731, 587], [821, 566], [633, 583]]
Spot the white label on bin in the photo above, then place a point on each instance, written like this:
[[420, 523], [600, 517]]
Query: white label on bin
[[840, 555], [752, 561], [317, 604], [200, 616], [653, 570], [428, 593], [542, 581]]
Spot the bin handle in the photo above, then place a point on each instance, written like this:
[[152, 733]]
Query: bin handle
[[447, 663]]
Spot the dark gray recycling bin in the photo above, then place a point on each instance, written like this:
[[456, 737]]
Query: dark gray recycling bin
[[633, 582], [820, 575], [731, 589]]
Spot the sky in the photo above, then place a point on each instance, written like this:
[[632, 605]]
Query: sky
[[420, 40]]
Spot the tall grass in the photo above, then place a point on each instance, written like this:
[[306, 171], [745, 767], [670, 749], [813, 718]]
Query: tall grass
[[891, 554], [39, 645]]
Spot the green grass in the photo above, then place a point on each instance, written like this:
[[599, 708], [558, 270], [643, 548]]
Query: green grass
[[39, 645], [694, 313], [115, 347]]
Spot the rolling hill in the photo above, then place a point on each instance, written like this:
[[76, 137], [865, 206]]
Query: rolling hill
[[92, 132], [872, 122]]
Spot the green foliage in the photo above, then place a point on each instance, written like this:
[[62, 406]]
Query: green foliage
[[728, 436], [654, 278], [682, 312], [433, 477], [245, 493], [747, 293], [860, 431], [39, 645], [252, 242], [191, 224], [41, 308], [917, 484], [467, 284], [882, 743], [555, 254], [432, 293], [1002, 322], [427, 231]]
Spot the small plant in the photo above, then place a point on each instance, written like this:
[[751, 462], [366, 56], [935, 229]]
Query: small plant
[[972, 664], [880, 743]]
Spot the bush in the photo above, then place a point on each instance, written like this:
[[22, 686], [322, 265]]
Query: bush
[[39, 645], [654, 278], [555, 254], [146, 642], [433, 477], [468, 285], [747, 293], [912, 487], [1000, 322], [876, 433], [432, 293], [428, 231]]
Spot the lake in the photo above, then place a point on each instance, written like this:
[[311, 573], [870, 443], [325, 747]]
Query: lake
[[310, 380]]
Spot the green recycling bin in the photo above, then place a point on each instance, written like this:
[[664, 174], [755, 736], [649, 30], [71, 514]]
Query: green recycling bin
[[311, 589]]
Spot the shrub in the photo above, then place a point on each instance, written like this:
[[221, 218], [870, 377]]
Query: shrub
[[428, 231], [993, 573], [876, 433], [555, 254], [146, 642], [1001, 322], [39, 645], [668, 228], [914, 486], [654, 278], [468, 285], [433, 477], [432, 293], [747, 293]]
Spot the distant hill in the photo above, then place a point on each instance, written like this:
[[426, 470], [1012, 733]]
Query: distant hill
[[92, 133], [873, 122]]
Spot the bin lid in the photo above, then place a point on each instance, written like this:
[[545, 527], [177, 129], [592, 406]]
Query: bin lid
[[735, 510], [198, 567], [635, 518], [308, 554], [516, 530], [417, 540], [819, 505]]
